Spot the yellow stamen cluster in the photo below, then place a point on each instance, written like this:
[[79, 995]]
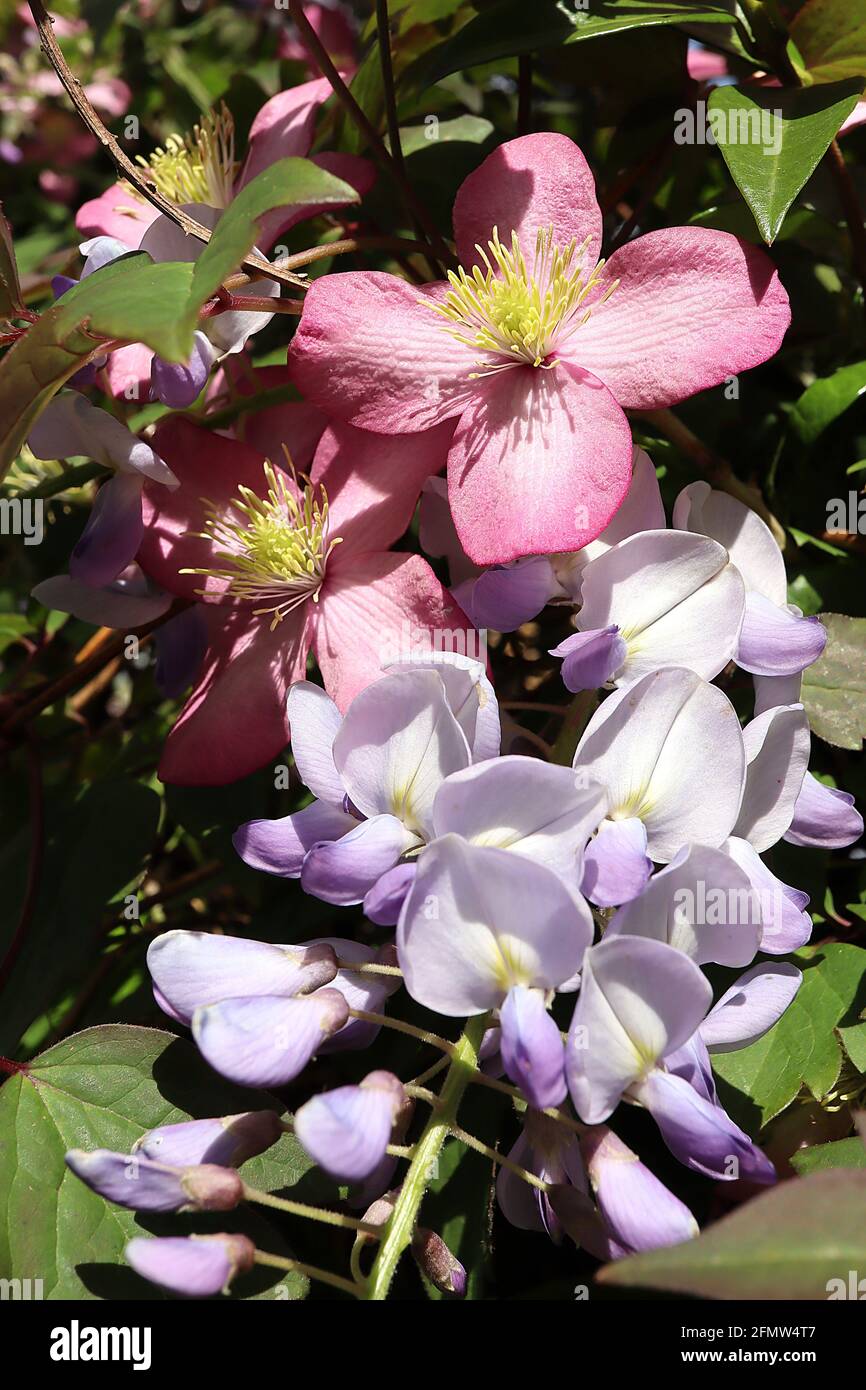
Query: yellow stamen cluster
[[276, 547], [517, 313], [198, 167]]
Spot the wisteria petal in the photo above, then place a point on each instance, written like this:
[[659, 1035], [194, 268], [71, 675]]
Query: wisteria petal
[[383, 902], [752, 1005], [747, 539], [525, 805], [315, 722], [824, 817], [343, 871], [228, 1141], [615, 864], [777, 752], [787, 926], [397, 744], [504, 598], [638, 1210], [180, 649], [478, 921], [531, 1046], [700, 1134], [198, 1266], [346, 1130], [776, 642], [267, 1040], [591, 658], [281, 846], [110, 541], [71, 425], [126, 604], [191, 968], [469, 693]]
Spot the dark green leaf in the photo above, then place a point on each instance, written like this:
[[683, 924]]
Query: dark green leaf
[[834, 688], [829, 37], [826, 399], [842, 1153]]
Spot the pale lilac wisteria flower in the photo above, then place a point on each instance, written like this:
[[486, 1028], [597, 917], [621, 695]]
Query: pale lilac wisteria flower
[[655, 600], [198, 1266], [484, 929], [641, 1002], [775, 640]]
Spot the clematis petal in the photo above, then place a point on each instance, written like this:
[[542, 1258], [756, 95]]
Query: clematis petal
[[109, 542], [269, 1039], [824, 817], [370, 348], [532, 1050], [777, 755], [398, 742], [752, 1005], [478, 921], [281, 846], [373, 608], [526, 186], [787, 926], [700, 1134], [747, 539], [315, 722], [615, 864], [639, 999], [234, 720], [776, 642], [228, 1141], [373, 481], [591, 658], [651, 743], [191, 968], [693, 306], [199, 1266], [525, 805], [346, 1131], [703, 904], [540, 462], [343, 871], [119, 213]]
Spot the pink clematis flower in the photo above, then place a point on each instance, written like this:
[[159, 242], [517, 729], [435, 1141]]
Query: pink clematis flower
[[537, 347], [282, 568]]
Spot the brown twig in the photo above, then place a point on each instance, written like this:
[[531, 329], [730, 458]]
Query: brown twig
[[124, 165], [311, 40]]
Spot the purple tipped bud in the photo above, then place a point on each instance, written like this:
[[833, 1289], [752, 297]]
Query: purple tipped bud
[[143, 1185], [533, 1052], [228, 1141], [198, 1266], [348, 1130], [437, 1264], [589, 659], [267, 1040], [178, 384], [191, 969], [384, 900], [638, 1210]]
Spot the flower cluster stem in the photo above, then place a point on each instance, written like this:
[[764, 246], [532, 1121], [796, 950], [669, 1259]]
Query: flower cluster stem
[[398, 1233]]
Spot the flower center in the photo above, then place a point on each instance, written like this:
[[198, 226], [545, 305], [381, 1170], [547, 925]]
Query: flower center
[[515, 313], [275, 548], [198, 167]]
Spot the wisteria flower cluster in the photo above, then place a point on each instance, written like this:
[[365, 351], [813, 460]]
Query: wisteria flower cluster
[[483, 726]]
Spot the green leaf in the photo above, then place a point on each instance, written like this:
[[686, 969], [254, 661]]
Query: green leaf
[[133, 300], [95, 847], [772, 140], [472, 130], [104, 1088], [802, 1048], [842, 1153], [13, 626], [834, 687], [513, 27], [10, 291], [830, 40], [826, 399], [788, 1243]]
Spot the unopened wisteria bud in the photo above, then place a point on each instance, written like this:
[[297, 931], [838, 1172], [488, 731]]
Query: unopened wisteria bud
[[144, 1185], [437, 1264], [347, 1130], [639, 1212], [198, 1266], [266, 1040], [228, 1140]]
